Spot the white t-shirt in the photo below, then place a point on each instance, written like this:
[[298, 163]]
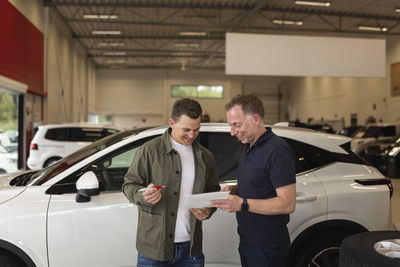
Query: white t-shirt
[[182, 227]]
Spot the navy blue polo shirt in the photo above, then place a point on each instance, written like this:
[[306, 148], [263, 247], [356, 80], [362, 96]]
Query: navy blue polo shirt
[[266, 166]]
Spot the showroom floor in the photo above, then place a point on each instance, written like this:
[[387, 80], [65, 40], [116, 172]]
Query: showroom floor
[[396, 203]]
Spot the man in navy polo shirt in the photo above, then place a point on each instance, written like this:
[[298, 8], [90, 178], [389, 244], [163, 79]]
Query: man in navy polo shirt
[[266, 191]]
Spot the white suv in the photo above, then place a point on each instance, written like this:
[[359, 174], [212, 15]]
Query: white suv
[[53, 142], [45, 223]]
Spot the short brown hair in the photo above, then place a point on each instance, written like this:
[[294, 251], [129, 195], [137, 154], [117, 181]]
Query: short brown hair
[[186, 106], [250, 104]]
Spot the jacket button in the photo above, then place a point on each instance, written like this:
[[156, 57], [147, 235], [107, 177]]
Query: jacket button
[[176, 172], [172, 214], [175, 193], [170, 235]]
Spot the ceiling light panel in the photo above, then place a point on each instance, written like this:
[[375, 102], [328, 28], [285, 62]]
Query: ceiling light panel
[[100, 16], [313, 3], [104, 32], [287, 22]]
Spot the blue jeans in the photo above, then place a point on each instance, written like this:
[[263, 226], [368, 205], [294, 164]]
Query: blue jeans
[[182, 258], [253, 256]]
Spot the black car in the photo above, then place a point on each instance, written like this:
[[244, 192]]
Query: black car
[[385, 156], [351, 131]]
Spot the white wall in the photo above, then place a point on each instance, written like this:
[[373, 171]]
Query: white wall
[[69, 75], [130, 95], [336, 98]]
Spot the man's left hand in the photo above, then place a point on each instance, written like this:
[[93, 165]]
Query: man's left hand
[[201, 214], [232, 204]]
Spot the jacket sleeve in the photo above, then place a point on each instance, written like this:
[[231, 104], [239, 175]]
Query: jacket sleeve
[[137, 178]]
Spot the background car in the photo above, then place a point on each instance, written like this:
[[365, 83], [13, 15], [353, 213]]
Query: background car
[[373, 132], [325, 128], [351, 131], [45, 223], [53, 142], [385, 156], [8, 160]]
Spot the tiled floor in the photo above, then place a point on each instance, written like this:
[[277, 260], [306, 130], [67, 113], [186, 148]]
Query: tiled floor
[[396, 203]]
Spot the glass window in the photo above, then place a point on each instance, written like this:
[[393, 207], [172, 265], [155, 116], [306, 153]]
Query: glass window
[[226, 150], [309, 157], [85, 134], [197, 91], [110, 170], [57, 134]]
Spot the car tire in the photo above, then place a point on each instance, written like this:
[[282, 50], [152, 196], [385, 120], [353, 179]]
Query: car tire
[[51, 161], [358, 250], [10, 260], [2, 171], [321, 250]]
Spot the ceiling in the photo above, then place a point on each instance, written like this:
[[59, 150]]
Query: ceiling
[[159, 33]]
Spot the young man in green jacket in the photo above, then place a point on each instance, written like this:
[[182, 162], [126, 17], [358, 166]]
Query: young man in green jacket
[[169, 234]]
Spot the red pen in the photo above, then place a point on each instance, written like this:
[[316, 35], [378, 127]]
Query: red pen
[[156, 187]]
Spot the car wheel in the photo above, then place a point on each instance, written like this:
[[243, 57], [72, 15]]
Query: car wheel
[[10, 260], [372, 249], [50, 161], [321, 250]]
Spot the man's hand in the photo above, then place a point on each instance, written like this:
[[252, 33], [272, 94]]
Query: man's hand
[[232, 204], [201, 214], [152, 195], [232, 188]]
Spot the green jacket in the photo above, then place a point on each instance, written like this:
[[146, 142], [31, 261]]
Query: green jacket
[[158, 163]]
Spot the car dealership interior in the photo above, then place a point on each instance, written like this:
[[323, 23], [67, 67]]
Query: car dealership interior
[[330, 66]]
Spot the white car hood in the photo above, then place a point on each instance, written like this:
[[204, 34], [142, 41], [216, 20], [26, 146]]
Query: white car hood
[[7, 191]]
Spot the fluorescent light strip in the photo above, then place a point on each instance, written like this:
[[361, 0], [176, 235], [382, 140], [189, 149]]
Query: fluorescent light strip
[[372, 28], [186, 45], [114, 54], [193, 33], [312, 3], [106, 32], [110, 44], [99, 16], [288, 22], [397, 10]]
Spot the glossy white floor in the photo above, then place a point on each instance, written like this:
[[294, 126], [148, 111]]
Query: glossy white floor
[[396, 203]]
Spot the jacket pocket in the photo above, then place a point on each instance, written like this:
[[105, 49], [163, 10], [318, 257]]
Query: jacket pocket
[[150, 230]]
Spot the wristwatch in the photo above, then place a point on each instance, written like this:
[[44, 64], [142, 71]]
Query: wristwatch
[[245, 205]]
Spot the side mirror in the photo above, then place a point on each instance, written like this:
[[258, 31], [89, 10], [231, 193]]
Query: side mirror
[[87, 186]]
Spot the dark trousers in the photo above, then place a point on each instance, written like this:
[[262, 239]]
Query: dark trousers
[[182, 258], [254, 256]]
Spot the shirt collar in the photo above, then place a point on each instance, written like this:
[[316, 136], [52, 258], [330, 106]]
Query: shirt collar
[[264, 137]]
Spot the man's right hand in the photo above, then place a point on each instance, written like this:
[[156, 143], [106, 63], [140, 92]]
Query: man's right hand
[[152, 195], [232, 188]]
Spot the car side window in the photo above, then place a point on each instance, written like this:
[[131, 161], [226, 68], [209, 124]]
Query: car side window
[[308, 156], [388, 131], [109, 169], [79, 134], [226, 150], [56, 134]]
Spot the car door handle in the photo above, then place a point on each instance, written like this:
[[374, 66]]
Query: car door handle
[[303, 197]]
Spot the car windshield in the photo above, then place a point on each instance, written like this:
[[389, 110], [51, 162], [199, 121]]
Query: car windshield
[[46, 174]]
